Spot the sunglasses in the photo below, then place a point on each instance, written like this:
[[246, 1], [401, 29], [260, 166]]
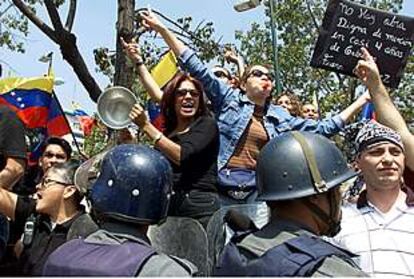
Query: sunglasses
[[259, 74], [221, 74], [183, 92]]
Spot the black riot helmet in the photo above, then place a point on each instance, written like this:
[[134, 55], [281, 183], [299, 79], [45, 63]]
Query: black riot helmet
[[299, 164], [134, 185]]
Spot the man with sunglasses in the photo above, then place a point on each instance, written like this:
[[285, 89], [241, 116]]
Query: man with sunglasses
[[48, 219], [245, 116], [54, 150]]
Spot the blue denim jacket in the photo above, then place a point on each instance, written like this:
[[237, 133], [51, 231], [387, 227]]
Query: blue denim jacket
[[234, 110]]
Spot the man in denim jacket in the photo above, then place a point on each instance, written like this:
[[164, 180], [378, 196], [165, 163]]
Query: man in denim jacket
[[236, 108]]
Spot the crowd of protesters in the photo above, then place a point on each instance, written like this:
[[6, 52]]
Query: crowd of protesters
[[225, 142]]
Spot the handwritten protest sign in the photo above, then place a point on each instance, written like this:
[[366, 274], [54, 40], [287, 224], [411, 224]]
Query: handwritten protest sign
[[348, 26]]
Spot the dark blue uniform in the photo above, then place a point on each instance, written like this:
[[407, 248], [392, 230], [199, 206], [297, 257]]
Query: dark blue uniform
[[106, 253], [282, 248]]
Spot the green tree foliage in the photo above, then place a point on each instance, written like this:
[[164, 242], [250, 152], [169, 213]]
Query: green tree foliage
[[13, 27]]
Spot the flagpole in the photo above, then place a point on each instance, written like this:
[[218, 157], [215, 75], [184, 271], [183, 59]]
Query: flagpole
[[67, 123], [49, 70]]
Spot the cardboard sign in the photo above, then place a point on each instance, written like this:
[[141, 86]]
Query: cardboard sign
[[348, 26]]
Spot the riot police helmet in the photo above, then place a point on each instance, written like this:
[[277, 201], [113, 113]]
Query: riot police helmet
[[299, 164], [134, 184]]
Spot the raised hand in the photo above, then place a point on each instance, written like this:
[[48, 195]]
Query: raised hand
[[151, 21], [367, 70], [132, 50]]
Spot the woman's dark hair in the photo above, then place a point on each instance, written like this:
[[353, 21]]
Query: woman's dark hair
[[168, 100]]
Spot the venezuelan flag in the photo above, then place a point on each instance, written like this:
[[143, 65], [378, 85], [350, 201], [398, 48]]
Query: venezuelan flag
[[29, 97], [35, 104]]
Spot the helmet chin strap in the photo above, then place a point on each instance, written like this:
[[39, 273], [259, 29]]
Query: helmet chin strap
[[334, 226], [320, 187]]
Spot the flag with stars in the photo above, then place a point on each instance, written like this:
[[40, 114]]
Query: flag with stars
[[37, 107]]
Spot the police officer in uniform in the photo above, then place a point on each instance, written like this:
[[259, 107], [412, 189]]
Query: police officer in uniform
[[131, 192], [298, 175]]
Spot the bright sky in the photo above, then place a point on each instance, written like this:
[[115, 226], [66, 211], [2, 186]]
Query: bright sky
[[95, 27]]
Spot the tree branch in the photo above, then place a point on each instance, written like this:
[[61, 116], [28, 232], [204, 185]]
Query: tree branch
[[24, 9], [72, 55], [66, 42], [71, 15], [54, 16]]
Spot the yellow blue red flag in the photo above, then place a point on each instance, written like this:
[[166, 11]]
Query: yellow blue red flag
[[35, 104]]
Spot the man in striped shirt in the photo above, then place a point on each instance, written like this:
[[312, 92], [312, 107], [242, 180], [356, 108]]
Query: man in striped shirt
[[380, 226]]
